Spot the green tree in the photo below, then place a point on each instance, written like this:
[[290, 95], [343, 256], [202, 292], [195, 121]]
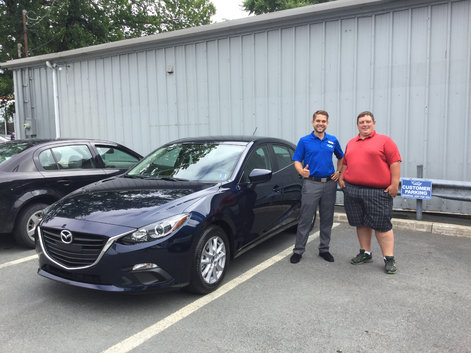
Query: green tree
[[55, 25], [259, 7], [58, 25]]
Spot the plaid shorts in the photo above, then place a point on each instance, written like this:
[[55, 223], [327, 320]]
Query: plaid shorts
[[368, 206]]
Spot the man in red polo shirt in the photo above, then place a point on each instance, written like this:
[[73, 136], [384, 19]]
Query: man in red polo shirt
[[370, 180]]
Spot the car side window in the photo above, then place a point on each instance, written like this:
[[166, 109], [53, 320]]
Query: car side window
[[73, 157], [114, 157], [47, 160], [258, 159], [283, 156]]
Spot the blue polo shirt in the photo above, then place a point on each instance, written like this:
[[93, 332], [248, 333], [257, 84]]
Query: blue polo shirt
[[317, 154]]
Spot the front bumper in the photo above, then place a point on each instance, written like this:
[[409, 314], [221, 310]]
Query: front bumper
[[131, 282], [170, 261]]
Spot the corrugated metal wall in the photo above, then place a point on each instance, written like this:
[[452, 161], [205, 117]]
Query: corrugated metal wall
[[410, 66]]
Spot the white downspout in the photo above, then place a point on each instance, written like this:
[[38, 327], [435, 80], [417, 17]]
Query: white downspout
[[53, 67], [16, 119]]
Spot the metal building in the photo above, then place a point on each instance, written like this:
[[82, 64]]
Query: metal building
[[409, 62]]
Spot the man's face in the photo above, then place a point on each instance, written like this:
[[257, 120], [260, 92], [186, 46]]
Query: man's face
[[320, 123], [366, 125]]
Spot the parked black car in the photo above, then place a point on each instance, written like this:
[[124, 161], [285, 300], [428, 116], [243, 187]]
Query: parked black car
[[173, 220], [35, 173]]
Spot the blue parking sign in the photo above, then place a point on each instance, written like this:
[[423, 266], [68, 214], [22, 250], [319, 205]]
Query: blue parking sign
[[416, 189]]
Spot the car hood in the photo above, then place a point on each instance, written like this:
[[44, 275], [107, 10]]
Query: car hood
[[128, 202]]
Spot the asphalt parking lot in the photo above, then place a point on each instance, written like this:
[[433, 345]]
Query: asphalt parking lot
[[265, 305]]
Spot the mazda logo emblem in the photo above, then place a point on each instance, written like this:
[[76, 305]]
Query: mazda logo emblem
[[66, 236]]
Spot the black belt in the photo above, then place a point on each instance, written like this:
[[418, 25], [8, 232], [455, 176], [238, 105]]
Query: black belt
[[322, 180]]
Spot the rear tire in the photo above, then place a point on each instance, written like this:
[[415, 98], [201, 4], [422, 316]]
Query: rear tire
[[210, 261], [26, 224]]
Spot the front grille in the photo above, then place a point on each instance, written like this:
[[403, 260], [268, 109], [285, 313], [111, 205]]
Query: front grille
[[83, 251]]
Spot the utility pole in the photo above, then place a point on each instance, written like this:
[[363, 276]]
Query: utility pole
[[25, 32]]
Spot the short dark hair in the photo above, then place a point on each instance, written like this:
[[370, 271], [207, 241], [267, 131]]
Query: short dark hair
[[365, 113], [320, 112]]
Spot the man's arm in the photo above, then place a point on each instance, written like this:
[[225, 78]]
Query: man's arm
[[395, 169], [341, 181], [336, 175]]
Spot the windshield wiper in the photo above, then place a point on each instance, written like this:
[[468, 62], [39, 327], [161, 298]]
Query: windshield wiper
[[167, 178], [171, 179], [134, 176]]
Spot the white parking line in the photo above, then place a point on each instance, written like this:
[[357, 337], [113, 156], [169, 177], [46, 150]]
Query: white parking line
[[19, 261], [151, 331]]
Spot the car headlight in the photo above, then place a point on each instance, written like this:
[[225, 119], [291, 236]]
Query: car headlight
[[157, 230]]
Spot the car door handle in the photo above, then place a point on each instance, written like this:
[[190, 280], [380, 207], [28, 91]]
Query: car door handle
[[276, 188], [65, 182]]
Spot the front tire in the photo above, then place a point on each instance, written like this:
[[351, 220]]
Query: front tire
[[210, 261], [26, 224]]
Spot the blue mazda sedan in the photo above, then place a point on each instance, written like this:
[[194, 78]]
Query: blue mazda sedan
[[176, 219]]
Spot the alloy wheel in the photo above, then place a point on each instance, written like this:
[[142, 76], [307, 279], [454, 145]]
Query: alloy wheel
[[33, 222], [213, 260]]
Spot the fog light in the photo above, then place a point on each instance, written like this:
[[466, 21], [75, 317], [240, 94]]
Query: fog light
[[144, 266]]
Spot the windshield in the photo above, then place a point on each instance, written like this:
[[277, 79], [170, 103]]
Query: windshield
[[190, 161], [8, 150]]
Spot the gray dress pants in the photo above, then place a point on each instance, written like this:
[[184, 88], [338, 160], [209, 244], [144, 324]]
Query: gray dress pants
[[316, 194]]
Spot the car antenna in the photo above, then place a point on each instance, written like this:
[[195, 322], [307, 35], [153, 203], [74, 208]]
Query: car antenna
[[255, 131]]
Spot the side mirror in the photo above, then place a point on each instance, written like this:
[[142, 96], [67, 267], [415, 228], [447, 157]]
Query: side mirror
[[260, 175]]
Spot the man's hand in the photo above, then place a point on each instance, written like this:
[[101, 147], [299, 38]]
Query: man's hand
[[392, 190], [335, 176], [305, 172]]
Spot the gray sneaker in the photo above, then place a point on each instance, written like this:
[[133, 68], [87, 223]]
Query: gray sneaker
[[390, 265], [362, 258]]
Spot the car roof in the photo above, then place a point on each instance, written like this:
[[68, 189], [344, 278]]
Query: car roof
[[227, 138], [32, 145], [37, 141]]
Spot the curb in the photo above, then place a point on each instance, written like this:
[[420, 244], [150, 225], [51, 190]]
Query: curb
[[454, 230]]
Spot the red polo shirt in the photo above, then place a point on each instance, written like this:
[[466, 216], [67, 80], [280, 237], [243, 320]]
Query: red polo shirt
[[368, 160]]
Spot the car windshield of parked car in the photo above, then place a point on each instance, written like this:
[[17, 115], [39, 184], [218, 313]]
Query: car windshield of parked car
[[191, 161], [8, 150]]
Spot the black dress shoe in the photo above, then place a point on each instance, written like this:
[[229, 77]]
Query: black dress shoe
[[327, 256], [294, 259]]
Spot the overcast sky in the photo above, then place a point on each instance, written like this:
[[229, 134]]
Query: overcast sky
[[228, 10]]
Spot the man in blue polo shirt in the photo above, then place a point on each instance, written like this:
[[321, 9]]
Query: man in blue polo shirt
[[320, 184]]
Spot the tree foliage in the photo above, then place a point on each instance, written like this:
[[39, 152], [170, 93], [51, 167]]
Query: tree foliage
[[58, 25], [259, 7]]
